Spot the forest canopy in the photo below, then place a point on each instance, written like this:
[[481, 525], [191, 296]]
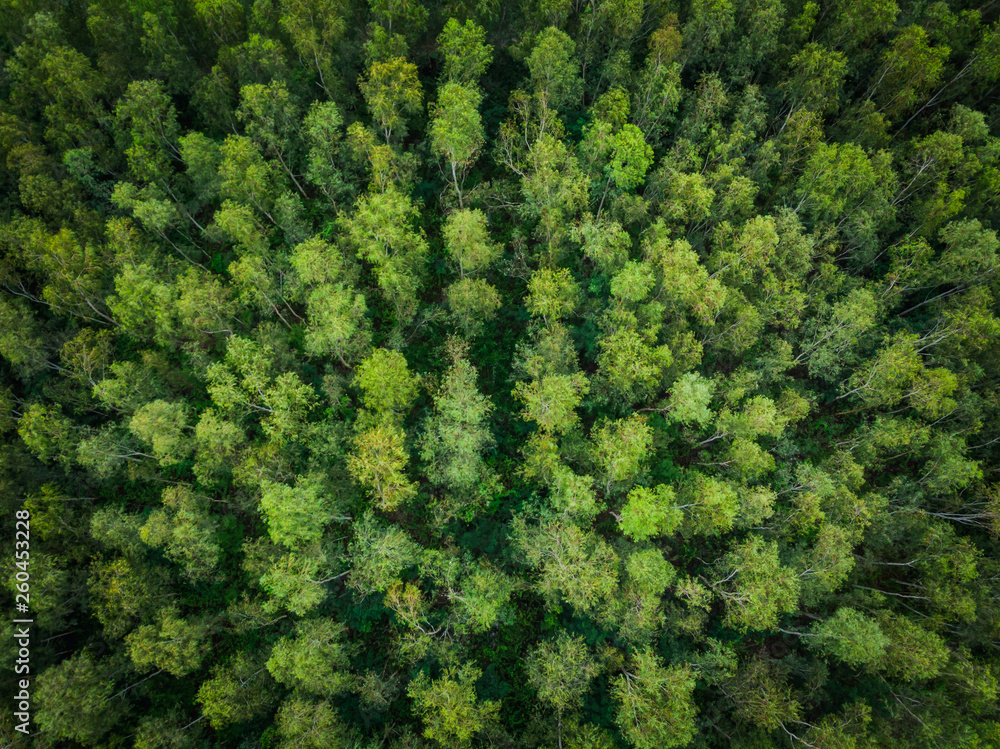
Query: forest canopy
[[570, 374]]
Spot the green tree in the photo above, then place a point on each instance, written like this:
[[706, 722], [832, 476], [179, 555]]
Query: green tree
[[466, 53], [174, 644], [271, 117], [555, 74], [761, 695], [448, 705], [244, 383], [844, 187], [561, 672], [851, 636], [405, 14], [316, 658], [457, 133], [202, 157], [819, 75], [856, 22], [649, 513], [631, 364], [147, 120], [186, 530], [606, 244], [296, 515], [74, 698], [20, 343], [457, 434], [686, 282], [216, 442], [654, 706], [315, 28], [237, 691], [392, 91], [322, 133], [911, 68], [381, 231], [246, 177], [309, 725], [650, 572], [713, 505], [378, 554], [575, 565], [755, 587], [554, 186], [911, 653]]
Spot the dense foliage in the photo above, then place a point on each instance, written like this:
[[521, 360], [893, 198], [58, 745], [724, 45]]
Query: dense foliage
[[529, 373]]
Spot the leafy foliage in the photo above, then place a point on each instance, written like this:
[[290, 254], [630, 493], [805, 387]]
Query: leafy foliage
[[508, 373]]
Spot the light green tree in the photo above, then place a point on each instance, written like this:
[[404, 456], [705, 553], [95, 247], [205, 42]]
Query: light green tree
[[621, 449], [561, 672], [448, 706], [306, 724], [186, 530], [316, 658], [162, 425], [654, 705], [473, 303], [552, 294], [388, 386], [456, 132], [296, 515], [467, 240], [850, 636], [482, 598], [382, 233], [457, 433], [216, 442], [555, 74], [47, 433], [650, 512], [336, 310], [392, 91], [551, 400], [466, 53], [755, 587], [238, 690], [690, 398], [576, 566], [174, 644], [378, 462]]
